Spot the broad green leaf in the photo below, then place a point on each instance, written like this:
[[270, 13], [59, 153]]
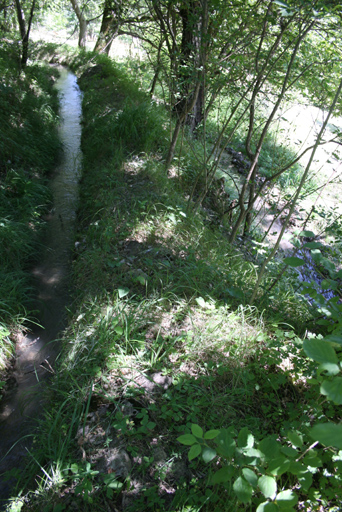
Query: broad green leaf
[[316, 255], [111, 481], [235, 292], [278, 466], [74, 468], [312, 459], [312, 245], [245, 438], [334, 338], [141, 280], [330, 368], [208, 454], [194, 451], [201, 302], [295, 439], [187, 439], [267, 506], [4, 331], [289, 452], [211, 434], [268, 486], [322, 322], [328, 284], [320, 351], [333, 390], [296, 468], [307, 234], [250, 476], [223, 475], [269, 447], [293, 261], [197, 430], [328, 434], [243, 490], [328, 265], [123, 292], [225, 444], [118, 330], [252, 453], [305, 480], [286, 499]]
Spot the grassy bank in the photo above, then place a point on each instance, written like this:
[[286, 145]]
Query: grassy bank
[[163, 351], [29, 148]]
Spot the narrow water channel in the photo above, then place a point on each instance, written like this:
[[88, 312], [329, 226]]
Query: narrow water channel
[[37, 351]]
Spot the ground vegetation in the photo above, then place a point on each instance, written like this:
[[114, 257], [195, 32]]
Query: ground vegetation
[[29, 113]]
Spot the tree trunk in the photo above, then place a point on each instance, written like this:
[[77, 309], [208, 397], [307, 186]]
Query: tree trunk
[[187, 71], [82, 22], [24, 33], [158, 68], [109, 26]]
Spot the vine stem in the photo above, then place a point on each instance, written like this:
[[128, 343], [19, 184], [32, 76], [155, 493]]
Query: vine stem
[[307, 450]]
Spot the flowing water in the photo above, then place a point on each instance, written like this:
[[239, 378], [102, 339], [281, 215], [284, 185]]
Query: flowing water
[[36, 352]]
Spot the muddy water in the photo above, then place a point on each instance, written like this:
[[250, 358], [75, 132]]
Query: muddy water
[[36, 352]]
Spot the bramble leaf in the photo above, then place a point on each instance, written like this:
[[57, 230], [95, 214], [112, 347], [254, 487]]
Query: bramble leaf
[[223, 475], [269, 447], [197, 430], [278, 466], [295, 439], [268, 486], [293, 261], [250, 476], [194, 451], [243, 490], [187, 439], [333, 390], [211, 434], [208, 454], [267, 506], [123, 292], [320, 351], [286, 499], [329, 434], [225, 444], [245, 438]]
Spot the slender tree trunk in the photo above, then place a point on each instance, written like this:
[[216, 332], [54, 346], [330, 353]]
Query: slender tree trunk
[[24, 32], [158, 68], [21, 19], [180, 122], [109, 26], [82, 39], [190, 107]]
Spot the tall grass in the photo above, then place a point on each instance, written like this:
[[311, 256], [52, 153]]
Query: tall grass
[[29, 149]]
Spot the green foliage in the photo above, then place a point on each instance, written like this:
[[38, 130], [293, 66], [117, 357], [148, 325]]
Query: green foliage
[[133, 126], [259, 470], [277, 154]]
